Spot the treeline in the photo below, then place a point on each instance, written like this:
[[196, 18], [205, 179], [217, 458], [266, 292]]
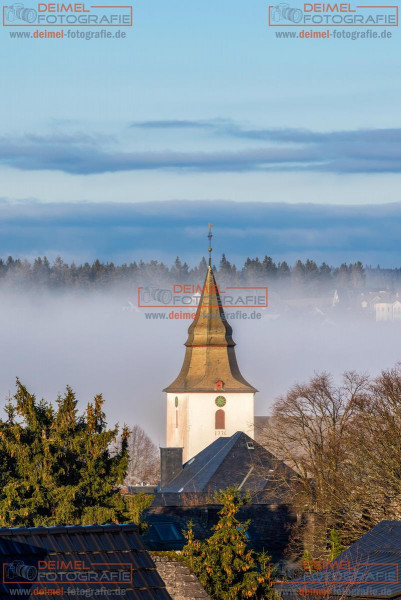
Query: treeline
[[59, 274]]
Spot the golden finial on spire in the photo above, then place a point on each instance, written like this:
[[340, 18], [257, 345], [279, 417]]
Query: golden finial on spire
[[210, 235]]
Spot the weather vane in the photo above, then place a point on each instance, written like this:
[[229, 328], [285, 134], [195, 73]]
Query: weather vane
[[210, 235]]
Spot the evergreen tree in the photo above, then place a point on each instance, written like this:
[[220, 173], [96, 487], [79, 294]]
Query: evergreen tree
[[311, 270], [56, 466], [3, 268], [335, 545], [203, 265], [178, 270], [225, 266], [283, 270], [357, 275], [298, 272], [40, 271], [325, 272], [227, 271], [253, 269], [225, 566], [199, 272], [269, 267], [136, 505], [342, 275]]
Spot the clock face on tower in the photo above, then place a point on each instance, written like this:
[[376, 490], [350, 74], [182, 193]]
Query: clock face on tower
[[220, 401]]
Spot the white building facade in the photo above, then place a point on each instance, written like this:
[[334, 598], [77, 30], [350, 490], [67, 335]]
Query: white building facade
[[195, 420], [388, 311]]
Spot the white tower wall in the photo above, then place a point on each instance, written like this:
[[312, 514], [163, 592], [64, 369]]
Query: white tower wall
[[191, 419]]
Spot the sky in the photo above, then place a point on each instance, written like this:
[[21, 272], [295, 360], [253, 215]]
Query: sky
[[200, 102]]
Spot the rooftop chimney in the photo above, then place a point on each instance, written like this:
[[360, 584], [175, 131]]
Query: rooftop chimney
[[171, 464]]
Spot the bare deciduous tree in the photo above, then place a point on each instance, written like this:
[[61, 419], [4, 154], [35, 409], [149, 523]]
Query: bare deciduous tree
[[144, 461], [376, 445], [311, 430]]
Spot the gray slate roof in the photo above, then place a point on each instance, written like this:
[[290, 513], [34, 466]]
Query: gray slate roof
[[57, 558], [369, 568], [228, 461]]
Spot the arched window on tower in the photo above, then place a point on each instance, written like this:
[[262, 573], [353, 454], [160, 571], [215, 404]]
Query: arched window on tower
[[220, 419]]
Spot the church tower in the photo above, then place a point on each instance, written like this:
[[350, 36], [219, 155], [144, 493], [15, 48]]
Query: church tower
[[209, 398]]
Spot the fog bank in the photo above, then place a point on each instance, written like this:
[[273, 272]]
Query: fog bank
[[101, 342]]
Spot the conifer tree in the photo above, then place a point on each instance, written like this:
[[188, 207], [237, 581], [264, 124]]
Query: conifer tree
[[224, 564], [57, 467], [335, 545], [269, 267], [283, 270]]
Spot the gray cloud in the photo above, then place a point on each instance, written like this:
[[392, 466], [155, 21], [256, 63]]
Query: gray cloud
[[361, 151], [161, 230], [217, 125]]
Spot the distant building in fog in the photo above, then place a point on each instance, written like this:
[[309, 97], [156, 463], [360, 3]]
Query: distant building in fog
[[388, 311]]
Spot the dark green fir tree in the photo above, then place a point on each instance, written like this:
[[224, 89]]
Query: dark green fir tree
[[57, 467]]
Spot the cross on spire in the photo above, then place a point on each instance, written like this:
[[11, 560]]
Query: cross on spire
[[210, 235]]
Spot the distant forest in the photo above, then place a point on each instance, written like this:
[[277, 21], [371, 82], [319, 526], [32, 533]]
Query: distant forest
[[98, 275]]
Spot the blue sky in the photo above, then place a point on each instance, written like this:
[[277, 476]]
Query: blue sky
[[200, 103]]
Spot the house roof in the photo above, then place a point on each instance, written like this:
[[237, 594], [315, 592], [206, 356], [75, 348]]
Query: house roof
[[210, 354], [228, 461], [369, 568], [80, 558]]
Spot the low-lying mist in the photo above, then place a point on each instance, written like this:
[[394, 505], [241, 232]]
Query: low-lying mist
[[101, 342]]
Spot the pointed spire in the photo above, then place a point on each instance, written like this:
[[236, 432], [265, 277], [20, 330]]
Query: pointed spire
[[210, 355]]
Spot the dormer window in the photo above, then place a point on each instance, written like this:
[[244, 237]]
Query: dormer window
[[219, 384]]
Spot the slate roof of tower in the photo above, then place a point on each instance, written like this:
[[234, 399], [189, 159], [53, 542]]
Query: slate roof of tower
[[209, 354], [369, 568], [228, 461], [105, 549]]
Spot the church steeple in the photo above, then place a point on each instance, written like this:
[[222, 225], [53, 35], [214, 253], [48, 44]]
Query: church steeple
[[209, 398], [210, 359]]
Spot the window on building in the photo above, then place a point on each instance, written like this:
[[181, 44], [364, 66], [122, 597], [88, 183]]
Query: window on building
[[220, 419], [176, 419]]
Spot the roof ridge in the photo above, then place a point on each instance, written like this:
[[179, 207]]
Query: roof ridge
[[52, 529]]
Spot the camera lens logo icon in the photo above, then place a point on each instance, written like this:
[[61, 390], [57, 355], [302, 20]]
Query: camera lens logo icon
[[150, 293], [285, 12], [18, 569], [19, 12]]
